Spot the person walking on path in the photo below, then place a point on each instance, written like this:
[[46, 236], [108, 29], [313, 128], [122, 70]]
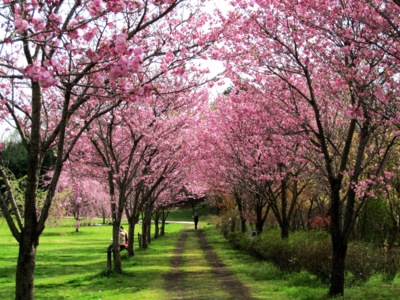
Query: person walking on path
[[196, 220]]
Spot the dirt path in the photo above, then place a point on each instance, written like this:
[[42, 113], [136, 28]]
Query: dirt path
[[198, 272]]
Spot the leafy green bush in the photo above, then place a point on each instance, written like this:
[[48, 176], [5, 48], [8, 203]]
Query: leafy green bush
[[239, 240], [270, 246], [363, 260], [391, 264], [312, 251]]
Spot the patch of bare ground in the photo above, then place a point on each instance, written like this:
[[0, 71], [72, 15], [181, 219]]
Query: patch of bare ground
[[174, 281]]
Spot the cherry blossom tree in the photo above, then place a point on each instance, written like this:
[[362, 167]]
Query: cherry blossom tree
[[65, 63], [80, 194], [261, 155], [335, 73], [136, 145]]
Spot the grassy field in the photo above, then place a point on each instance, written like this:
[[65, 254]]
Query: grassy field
[[72, 265]]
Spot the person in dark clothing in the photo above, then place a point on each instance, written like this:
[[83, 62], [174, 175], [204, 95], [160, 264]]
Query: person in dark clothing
[[196, 220]]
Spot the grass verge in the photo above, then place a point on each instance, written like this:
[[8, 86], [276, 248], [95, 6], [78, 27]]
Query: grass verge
[[268, 282], [72, 265]]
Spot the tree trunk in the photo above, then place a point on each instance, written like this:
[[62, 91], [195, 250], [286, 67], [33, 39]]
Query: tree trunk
[[26, 267], [339, 250], [131, 238], [29, 238], [116, 253], [259, 220], [144, 234], [156, 227], [243, 224], [339, 244], [149, 231], [162, 230], [285, 220], [241, 215], [285, 226]]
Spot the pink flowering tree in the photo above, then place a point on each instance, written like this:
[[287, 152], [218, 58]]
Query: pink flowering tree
[[331, 66], [62, 65], [81, 195], [261, 156], [136, 146]]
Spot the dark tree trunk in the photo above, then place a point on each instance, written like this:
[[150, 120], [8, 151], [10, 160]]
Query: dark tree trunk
[[339, 244], [259, 219], [133, 219], [285, 228], [162, 229], [149, 231], [116, 252], [156, 226], [284, 203], [339, 250], [26, 267], [144, 234], [131, 238], [243, 224], [29, 238], [241, 214]]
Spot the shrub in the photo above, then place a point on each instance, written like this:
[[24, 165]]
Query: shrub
[[312, 251], [270, 246], [239, 240], [363, 260], [391, 264]]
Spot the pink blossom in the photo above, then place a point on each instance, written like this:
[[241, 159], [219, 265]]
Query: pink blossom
[[95, 8], [38, 24], [55, 18], [89, 35], [21, 25], [116, 6], [41, 75], [169, 57]]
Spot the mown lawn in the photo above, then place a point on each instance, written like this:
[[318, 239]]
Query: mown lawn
[[72, 265]]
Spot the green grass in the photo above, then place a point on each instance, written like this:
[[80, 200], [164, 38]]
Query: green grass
[[268, 282], [72, 265], [185, 213]]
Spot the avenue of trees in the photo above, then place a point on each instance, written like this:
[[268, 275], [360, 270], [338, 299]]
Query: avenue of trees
[[314, 110], [114, 116]]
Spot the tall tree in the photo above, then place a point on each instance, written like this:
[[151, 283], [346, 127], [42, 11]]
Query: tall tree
[[261, 156], [333, 72], [63, 64]]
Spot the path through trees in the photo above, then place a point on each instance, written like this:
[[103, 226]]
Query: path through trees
[[198, 273]]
